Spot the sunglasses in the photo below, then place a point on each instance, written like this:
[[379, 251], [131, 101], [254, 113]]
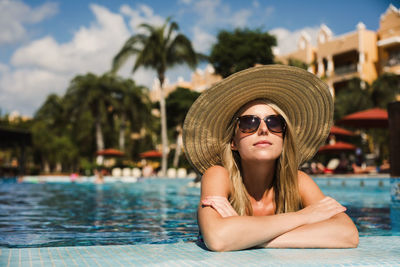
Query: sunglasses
[[250, 123]]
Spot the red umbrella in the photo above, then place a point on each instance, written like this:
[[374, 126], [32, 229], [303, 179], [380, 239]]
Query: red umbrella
[[151, 154], [370, 118], [110, 152], [337, 147], [340, 131]]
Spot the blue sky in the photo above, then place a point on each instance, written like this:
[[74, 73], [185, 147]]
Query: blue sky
[[44, 44]]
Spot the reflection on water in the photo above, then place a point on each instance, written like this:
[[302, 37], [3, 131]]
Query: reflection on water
[[149, 211], [87, 214]]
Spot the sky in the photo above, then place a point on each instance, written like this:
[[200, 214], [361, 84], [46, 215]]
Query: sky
[[45, 44]]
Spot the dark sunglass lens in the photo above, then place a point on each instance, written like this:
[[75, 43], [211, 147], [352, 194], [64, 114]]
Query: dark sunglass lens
[[248, 124], [275, 124]]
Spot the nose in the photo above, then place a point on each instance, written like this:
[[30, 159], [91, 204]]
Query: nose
[[263, 128]]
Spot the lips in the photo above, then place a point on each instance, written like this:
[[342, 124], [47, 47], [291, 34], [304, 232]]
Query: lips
[[262, 142]]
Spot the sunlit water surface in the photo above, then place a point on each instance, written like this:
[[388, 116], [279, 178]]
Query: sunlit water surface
[[149, 211]]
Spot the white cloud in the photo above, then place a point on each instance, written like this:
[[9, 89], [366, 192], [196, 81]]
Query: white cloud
[[287, 40], [186, 2], [239, 19], [26, 89], [269, 11], [141, 14], [214, 12], [45, 66], [202, 40], [15, 15], [83, 52], [3, 68]]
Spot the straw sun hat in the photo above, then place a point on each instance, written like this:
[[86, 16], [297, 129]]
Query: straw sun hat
[[303, 97]]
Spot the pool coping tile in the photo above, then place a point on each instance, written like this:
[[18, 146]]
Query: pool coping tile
[[372, 251]]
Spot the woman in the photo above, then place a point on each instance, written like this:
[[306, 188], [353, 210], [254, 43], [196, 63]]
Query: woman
[[248, 135]]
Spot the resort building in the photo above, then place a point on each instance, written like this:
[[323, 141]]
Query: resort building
[[389, 41], [363, 53]]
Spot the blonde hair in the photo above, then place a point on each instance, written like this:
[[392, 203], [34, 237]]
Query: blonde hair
[[285, 183]]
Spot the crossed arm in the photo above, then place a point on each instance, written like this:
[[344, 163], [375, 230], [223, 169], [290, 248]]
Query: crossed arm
[[322, 223]]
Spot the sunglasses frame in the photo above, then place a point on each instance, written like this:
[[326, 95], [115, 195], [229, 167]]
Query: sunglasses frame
[[265, 119]]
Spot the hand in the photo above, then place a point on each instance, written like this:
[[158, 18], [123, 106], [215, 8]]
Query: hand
[[322, 210]]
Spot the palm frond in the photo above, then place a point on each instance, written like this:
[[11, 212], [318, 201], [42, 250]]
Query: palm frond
[[181, 51], [202, 57], [150, 28], [173, 27], [130, 48], [121, 58]]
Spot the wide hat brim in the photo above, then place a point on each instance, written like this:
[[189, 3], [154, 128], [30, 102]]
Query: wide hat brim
[[305, 99]]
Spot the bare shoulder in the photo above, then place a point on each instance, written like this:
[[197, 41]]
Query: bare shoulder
[[303, 177], [215, 182], [309, 190]]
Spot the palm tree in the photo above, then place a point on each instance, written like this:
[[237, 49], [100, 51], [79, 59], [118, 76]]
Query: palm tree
[[93, 94], [51, 136], [178, 104], [133, 106], [161, 48]]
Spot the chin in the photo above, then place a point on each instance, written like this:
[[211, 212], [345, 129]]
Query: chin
[[267, 155], [265, 158]]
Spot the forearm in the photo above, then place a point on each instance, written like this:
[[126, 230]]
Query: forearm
[[241, 232], [336, 232]]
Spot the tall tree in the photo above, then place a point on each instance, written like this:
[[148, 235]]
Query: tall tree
[[90, 93], [241, 49], [385, 89], [51, 137], [133, 107], [160, 48], [178, 104], [351, 99]]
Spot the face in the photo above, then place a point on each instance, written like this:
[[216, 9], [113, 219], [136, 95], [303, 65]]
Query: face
[[263, 144]]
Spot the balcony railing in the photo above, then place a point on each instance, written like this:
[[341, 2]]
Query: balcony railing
[[393, 60], [344, 69]]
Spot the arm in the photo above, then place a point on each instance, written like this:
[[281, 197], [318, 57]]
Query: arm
[[240, 232], [336, 232]]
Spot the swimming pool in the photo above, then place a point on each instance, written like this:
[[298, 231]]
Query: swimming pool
[[151, 211]]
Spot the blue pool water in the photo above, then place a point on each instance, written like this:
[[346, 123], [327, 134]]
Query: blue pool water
[[147, 212]]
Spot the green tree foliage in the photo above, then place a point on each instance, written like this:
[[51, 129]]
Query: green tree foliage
[[351, 99], [65, 128], [241, 49], [159, 48], [297, 63], [178, 104], [90, 93], [51, 137], [133, 108], [385, 89]]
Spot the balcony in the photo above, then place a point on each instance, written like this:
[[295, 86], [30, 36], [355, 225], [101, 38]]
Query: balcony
[[394, 59], [345, 69]]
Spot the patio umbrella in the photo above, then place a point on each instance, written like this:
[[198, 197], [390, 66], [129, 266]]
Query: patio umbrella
[[151, 154], [340, 131], [370, 118], [337, 148], [111, 152]]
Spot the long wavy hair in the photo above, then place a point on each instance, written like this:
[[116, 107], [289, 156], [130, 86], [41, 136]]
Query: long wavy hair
[[285, 182]]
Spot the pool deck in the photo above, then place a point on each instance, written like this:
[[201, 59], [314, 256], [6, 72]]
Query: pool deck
[[372, 251]]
